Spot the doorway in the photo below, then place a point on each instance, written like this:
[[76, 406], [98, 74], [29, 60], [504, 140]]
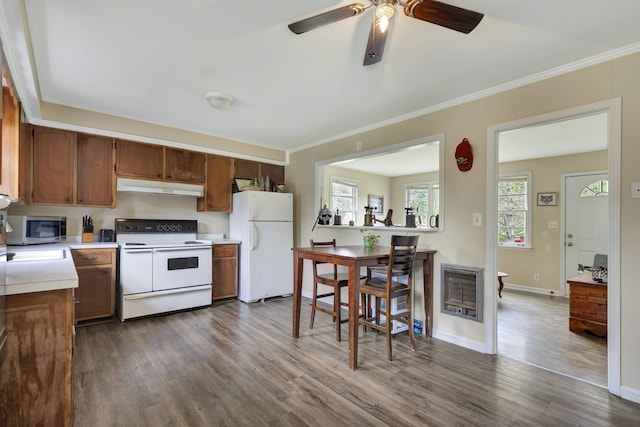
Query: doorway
[[612, 111], [586, 224]]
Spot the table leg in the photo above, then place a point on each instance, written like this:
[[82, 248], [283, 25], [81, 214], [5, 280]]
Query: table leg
[[427, 292], [354, 299], [500, 286], [298, 263]]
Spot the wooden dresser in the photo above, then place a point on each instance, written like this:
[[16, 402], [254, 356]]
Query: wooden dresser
[[587, 306]]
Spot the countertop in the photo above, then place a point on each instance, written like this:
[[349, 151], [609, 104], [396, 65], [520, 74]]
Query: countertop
[[46, 275], [51, 274]]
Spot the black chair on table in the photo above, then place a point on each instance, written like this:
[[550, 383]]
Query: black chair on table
[[334, 280], [392, 281]]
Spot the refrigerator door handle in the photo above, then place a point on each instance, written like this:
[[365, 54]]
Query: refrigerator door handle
[[254, 237]]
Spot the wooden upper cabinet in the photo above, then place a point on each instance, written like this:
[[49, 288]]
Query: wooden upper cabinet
[[53, 166], [217, 189], [184, 166], [139, 160], [247, 169], [96, 177], [274, 172], [10, 166]]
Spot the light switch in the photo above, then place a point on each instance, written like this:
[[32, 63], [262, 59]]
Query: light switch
[[635, 190], [477, 219]]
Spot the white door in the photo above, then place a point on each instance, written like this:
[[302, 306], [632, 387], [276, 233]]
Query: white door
[[586, 220]]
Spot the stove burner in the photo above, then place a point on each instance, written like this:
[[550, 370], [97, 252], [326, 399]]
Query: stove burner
[[135, 244], [192, 242]]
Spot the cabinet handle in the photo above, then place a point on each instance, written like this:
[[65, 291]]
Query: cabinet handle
[[76, 301]]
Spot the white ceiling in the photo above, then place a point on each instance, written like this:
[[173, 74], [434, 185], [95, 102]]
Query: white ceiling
[[153, 60]]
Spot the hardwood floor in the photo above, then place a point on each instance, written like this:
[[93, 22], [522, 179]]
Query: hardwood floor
[[534, 329], [236, 364]]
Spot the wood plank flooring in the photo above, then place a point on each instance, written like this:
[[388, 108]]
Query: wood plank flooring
[[534, 329], [236, 364]]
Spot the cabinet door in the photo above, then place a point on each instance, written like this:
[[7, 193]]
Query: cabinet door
[[95, 295], [224, 272], [139, 160], [184, 166], [96, 290], [96, 178], [274, 172], [247, 169], [37, 375], [53, 166], [217, 189], [10, 124]]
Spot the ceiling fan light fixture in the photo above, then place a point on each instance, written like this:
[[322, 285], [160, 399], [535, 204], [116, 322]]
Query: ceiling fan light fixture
[[384, 12], [219, 101]]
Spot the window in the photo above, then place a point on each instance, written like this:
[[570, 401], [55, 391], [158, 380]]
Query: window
[[514, 216], [424, 199], [596, 189], [344, 198]]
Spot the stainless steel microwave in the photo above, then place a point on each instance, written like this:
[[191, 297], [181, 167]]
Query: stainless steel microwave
[[34, 230]]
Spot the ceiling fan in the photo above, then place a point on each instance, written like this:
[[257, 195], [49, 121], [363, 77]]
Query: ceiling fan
[[445, 15]]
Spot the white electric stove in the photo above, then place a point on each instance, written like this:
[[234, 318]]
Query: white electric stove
[[163, 267]]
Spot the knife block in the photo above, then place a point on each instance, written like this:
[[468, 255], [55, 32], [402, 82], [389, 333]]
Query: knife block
[[87, 235]]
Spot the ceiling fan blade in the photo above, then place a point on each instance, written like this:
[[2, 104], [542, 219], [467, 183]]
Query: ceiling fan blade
[[327, 17], [445, 15], [375, 45]]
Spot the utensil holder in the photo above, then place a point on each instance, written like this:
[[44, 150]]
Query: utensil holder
[[87, 235]]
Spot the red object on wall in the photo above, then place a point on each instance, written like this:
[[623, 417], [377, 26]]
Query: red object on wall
[[464, 155]]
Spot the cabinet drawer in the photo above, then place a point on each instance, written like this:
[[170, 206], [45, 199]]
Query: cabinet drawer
[[589, 303], [92, 256], [225, 251]]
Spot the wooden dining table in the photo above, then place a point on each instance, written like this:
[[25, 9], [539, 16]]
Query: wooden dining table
[[354, 258]]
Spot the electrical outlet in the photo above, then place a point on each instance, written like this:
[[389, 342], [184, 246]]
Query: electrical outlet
[[536, 277], [358, 145], [635, 190], [553, 224], [477, 219]]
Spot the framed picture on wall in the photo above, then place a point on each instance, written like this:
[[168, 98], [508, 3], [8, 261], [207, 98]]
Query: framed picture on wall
[[547, 199], [377, 203]]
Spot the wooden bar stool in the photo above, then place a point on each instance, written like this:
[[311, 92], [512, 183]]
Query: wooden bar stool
[[334, 280]]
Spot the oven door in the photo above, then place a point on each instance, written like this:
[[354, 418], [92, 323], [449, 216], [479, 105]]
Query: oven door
[[181, 267], [136, 266]]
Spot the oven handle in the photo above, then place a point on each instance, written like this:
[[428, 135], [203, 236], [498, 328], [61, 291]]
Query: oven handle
[[136, 251], [166, 292], [187, 248]]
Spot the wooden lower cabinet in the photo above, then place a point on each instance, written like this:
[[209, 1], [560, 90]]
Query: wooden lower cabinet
[[96, 292], [225, 271], [36, 377], [587, 306]]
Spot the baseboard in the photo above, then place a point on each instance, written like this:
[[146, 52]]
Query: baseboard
[[632, 394], [531, 289], [463, 342]]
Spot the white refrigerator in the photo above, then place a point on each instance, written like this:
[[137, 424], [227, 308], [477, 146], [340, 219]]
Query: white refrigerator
[[263, 222]]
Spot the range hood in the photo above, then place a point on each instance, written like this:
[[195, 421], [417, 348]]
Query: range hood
[[159, 187]]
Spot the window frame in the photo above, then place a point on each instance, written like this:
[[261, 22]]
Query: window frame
[[353, 183], [433, 189], [527, 244]]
